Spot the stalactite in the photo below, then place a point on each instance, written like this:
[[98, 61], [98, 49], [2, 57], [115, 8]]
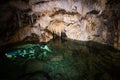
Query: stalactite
[[118, 34], [19, 19], [31, 17], [83, 7], [83, 15]]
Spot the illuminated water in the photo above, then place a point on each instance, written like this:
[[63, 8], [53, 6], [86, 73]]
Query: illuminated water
[[60, 60]]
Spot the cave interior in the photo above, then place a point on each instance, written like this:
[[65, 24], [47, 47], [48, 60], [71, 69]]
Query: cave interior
[[60, 40]]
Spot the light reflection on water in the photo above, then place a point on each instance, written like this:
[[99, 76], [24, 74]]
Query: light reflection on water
[[62, 60]]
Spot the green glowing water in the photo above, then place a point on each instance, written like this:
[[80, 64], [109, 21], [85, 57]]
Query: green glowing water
[[29, 51], [57, 60]]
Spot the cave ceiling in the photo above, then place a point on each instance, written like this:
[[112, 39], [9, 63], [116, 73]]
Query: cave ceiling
[[39, 20]]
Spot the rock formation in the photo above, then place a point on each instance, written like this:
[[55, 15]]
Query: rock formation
[[78, 19]]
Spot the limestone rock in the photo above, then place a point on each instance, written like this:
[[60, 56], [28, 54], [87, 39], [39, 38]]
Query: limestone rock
[[78, 19], [56, 27], [45, 36]]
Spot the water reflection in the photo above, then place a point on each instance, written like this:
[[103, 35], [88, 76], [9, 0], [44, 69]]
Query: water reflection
[[61, 60]]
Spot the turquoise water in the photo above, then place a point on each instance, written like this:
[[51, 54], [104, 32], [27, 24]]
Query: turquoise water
[[60, 60]]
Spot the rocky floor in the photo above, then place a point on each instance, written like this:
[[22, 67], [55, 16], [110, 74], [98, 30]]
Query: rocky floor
[[60, 60]]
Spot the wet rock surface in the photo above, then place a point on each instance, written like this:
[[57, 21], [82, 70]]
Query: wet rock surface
[[78, 19], [58, 60]]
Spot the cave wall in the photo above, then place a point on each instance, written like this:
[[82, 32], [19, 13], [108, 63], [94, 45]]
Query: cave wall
[[40, 20]]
